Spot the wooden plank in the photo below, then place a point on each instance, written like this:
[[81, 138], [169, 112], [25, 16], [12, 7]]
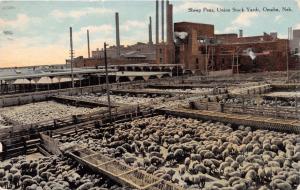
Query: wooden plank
[[127, 172], [152, 184]]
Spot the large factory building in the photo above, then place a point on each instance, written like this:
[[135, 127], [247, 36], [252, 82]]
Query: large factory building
[[199, 49]]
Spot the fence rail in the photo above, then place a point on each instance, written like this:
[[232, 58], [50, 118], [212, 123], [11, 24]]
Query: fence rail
[[275, 112], [119, 171]]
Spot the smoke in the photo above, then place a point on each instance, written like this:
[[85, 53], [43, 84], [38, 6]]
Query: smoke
[[8, 32], [8, 7]]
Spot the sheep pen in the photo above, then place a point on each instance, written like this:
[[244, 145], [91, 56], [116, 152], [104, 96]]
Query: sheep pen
[[51, 173], [197, 154]]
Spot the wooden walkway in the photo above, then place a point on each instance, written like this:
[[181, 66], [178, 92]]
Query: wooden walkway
[[144, 91], [258, 122], [119, 171], [77, 101]]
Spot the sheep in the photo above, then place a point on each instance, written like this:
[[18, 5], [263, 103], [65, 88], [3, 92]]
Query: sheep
[[171, 172], [240, 186], [251, 175], [261, 174], [234, 164], [284, 186], [229, 159], [179, 154], [240, 159], [16, 180], [208, 155], [263, 188], [156, 160], [27, 182], [86, 186], [207, 162], [151, 169], [129, 159], [296, 157], [273, 164], [167, 177], [181, 169], [187, 161], [2, 173], [293, 179], [170, 158], [196, 157], [227, 171], [157, 154], [232, 179], [200, 168]]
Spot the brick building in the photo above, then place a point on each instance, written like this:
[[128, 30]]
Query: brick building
[[202, 49]]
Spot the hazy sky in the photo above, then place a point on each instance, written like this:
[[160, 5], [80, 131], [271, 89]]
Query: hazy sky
[[37, 32]]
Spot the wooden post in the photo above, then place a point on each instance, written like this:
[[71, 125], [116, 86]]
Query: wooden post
[[207, 104], [243, 104], [296, 107], [276, 109], [222, 107], [107, 82]]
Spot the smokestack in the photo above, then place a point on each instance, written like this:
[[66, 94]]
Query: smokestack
[[71, 55], [157, 23], [150, 31], [162, 21], [169, 23], [117, 34], [240, 33], [88, 41]]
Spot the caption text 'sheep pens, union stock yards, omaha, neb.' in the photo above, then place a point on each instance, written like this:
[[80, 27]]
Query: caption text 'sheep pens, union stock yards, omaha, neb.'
[[240, 9]]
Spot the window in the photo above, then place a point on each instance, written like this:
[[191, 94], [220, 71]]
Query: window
[[160, 60], [296, 50], [160, 50]]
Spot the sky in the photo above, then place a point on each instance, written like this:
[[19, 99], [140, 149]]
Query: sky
[[37, 32]]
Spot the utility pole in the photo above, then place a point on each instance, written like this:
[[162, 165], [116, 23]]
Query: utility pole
[[72, 53], [107, 83], [232, 66], [287, 54], [206, 58], [177, 71], [237, 61]]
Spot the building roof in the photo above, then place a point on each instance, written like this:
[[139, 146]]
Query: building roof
[[133, 54]]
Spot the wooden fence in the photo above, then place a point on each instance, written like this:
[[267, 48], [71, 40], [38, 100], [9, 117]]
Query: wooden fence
[[275, 112]]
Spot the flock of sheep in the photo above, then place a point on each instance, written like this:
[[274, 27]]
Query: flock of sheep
[[124, 99], [206, 155], [264, 102], [51, 173], [3, 122], [41, 111], [189, 91]]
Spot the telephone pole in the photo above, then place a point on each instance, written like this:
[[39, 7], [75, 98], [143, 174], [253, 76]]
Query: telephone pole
[[287, 53], [107, 83], [71, 54]]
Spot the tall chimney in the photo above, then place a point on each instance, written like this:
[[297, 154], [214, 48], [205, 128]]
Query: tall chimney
[[169, 23], [157, 23], [117, 34], [162, 20], [150, 31], [240, 33], [88, 43]]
